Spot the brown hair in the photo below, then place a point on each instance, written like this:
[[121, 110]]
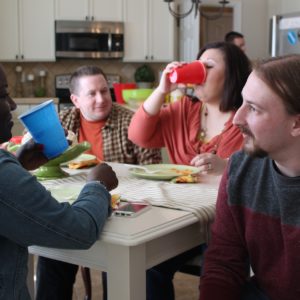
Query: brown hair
[[231, 35], [82, 72], [237, 70], [282, 75]]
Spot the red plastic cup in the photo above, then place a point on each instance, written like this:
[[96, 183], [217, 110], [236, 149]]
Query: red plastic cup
[[193, 73], [119, 87]]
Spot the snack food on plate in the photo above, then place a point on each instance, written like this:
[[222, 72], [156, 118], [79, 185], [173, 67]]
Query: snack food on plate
[[115, 200], [186, 179], [83, 163]]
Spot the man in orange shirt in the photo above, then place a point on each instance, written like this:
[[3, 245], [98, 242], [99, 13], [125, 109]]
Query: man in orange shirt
[[96, 119]]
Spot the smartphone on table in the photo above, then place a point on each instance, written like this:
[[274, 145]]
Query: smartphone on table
[[131, 209]]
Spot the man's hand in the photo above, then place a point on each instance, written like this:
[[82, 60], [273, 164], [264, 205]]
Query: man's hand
[[30, 155], [104, 173]]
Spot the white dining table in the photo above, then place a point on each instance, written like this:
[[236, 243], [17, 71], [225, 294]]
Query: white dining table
[[128, 247]]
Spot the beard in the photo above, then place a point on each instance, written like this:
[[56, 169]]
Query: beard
[[250, 145]]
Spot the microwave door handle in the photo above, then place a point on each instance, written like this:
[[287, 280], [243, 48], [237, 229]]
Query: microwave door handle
[[109, 42]]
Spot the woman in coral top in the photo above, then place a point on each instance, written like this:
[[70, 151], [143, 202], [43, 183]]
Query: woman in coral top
[[197, 130]]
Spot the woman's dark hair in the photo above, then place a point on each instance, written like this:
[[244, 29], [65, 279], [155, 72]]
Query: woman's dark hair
[[82, 72], [282, 75], [237, 70]]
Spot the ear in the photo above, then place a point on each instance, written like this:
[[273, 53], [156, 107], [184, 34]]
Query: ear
[[296, 126], [75, 101]]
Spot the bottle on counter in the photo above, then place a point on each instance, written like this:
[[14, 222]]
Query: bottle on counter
[[30, 85], [19, 87], [40, 90]]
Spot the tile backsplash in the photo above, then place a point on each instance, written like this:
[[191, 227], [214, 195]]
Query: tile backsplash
[[125, 70]]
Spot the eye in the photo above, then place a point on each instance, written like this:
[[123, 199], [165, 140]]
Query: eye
[[252, 108]]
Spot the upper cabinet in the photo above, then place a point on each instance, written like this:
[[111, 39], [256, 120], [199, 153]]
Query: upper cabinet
[[149, 31], [27, 30], [90, 10]]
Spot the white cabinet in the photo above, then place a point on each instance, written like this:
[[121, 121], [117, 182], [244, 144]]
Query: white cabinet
[[98, 10], [149, 31], [27, 30]]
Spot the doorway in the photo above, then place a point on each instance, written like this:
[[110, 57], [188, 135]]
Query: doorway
[[214, 29]]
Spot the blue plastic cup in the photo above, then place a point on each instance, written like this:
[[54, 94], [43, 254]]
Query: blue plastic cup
[[43, 124]]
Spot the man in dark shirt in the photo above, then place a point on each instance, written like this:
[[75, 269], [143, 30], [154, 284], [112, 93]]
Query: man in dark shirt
[[257, 215]]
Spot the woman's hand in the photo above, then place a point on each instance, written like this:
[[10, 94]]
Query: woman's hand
[[154, 102], [209, 163], [165, 86], [31, 156]]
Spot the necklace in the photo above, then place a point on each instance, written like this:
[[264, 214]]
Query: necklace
[[203, 129]]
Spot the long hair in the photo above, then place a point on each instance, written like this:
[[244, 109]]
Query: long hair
[[282, 75], [237, 70]]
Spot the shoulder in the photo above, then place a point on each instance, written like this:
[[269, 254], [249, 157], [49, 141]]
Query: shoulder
[[5, 155], [69, 113], [120, 112], [245, 170], [8, 166]]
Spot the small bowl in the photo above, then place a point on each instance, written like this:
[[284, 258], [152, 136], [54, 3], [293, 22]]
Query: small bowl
[[135, 97]]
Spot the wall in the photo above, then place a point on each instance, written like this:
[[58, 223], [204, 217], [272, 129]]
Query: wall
[[125, 70], [288, 6], [255, 27]]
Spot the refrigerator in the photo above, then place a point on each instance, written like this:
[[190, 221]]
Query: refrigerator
[[285, 34]]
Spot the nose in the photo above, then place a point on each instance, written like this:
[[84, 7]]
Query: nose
[[239, 117], [99, 97]]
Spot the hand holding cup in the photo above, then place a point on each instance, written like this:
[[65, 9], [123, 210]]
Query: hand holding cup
[[193, 73]]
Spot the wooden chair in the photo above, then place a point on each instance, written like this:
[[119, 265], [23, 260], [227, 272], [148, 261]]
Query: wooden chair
[[87, 282]]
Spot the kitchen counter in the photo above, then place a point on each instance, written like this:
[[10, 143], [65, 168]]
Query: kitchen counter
[[34, 100]]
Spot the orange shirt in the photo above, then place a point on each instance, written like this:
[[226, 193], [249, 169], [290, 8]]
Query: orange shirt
[[176, 127], [91, 132]]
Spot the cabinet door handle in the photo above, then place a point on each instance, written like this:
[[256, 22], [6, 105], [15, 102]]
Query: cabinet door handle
[[92, 18], [17, 56], [152, 57], [86, 18], [22, 56], [146, 57]]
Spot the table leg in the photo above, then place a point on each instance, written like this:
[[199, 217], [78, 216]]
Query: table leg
[[30, 275], [126, 271]]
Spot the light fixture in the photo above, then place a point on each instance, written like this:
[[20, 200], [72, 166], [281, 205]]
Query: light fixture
[[195, 5]]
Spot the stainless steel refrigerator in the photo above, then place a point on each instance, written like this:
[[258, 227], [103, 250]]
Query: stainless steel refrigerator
[[285, 34]]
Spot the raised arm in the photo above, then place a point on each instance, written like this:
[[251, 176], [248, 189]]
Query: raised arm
[[154, 102]]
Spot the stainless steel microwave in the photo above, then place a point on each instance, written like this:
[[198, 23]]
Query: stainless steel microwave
[[89, 39]]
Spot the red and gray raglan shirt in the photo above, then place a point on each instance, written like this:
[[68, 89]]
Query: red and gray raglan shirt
[[258, 223]]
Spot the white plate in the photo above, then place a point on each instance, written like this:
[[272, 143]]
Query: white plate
[[166, 171], [66, 192], [69, 193]]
